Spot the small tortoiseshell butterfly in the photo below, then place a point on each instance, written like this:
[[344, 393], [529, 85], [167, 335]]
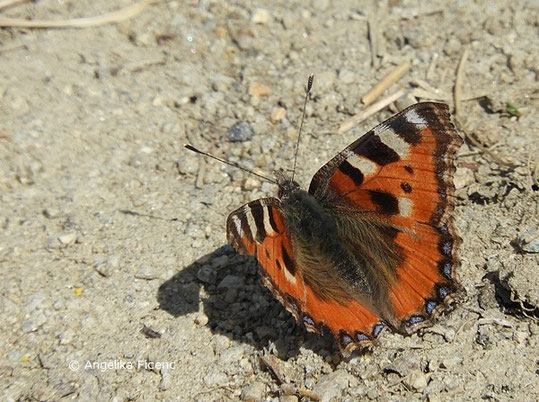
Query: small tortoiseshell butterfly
[[371, 244]]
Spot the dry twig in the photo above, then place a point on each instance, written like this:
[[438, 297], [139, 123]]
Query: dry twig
[[376, 107], [108, 18], [9, 3], [372, 25], [272, 363], [392, 77], [458, 82]]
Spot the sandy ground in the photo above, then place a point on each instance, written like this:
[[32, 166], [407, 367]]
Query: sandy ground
[[117, 283]]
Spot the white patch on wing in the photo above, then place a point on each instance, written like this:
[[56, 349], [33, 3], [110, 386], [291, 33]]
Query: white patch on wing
[[289, 277], [412, 117], [267, 224], [237, 225], [405, 206], [251, 223], [393, 141], [364, 165]]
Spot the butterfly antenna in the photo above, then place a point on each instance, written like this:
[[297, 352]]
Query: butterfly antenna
[[307, 93], [192, 148]]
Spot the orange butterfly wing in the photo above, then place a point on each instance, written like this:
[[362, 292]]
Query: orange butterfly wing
[[401, 172], [258, 228]]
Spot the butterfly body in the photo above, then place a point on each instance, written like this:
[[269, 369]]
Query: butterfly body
[[370, 244]]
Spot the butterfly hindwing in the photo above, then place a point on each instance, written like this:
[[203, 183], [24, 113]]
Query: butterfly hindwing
[[258, 228], [401, 172]]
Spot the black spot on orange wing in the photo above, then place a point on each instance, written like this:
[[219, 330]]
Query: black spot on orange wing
[[386, 203], [390, 232], [406, 187], [409, 132], [245, 228], [258, 215], [288, 262], [272, 222], [377, 151], [352, 172]]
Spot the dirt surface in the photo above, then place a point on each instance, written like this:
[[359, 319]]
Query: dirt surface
[[117, 283]]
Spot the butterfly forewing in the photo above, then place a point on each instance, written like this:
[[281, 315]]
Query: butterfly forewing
[[401, 172]]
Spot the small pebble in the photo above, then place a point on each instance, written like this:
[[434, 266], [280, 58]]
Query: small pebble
[[136, 161], [193, 230], [113, 261], [15, 356], [101, 266], [221, 82], [251, 184], [68, 238], [66, 337], [239, 132], [207, 274], [449, 334], [231, 281], [331, 386], [231, 296], [215, 378], [260, 16], [416, 380], [166, 379], [35, 302], [259, 90], [529, 241], [150, 333], [28, 326], [253, 392], [59, 304], [451, 361], [220, 343], [520, 337], [220, 261], [51, 213], [463, 177], [347, 77], [277, 114], [231, 355], [146, 272], [201, 319]]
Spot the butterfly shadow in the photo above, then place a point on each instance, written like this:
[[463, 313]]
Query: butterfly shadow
[[237, 305]]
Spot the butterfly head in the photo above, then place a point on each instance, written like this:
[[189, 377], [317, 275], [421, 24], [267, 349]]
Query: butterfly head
[[286, 186]]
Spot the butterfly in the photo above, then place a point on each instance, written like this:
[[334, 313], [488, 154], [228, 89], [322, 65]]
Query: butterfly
[[371, 244]]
